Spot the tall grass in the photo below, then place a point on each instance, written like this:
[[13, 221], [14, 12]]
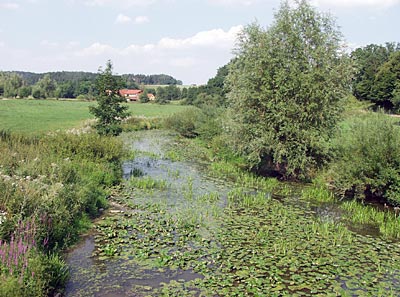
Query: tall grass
[[387, 221], [318, 191], [243, 178], [53, 184]]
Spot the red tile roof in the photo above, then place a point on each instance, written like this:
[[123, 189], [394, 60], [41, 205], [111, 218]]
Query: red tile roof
[[125, 92]]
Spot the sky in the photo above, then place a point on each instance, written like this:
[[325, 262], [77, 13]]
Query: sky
[[188, 39]]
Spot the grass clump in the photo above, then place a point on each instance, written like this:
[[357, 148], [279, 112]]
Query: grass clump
[[146, 183], [243, 178], [50, 186], [318, 191]]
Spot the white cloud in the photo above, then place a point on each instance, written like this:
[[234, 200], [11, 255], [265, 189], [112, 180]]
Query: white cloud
[[184, 62], [141, 19], [72, 44], [233, 2], [212, 38], [357, 3], [96, 49], [48, 44], [123, 3], [193, 59], [122, 19], [9, 5]]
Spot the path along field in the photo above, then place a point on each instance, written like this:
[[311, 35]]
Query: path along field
[[41, 116]]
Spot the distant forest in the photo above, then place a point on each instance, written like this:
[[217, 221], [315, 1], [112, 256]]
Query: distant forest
[[76, 76], [66, 84]]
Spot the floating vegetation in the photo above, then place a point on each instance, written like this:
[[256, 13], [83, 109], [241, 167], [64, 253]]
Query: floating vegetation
[[218, 238]]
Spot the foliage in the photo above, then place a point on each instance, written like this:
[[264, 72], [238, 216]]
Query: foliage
[[10, 84], [285, 89], [109, 112], [67, 84], [369, 159], [213, 93], [192, 122], [387, 82], [141, 123], [143, 98], [47, 86], [185, 122], [220, 238], [373, 80], [167, 94], [153, 79], [50, 185]]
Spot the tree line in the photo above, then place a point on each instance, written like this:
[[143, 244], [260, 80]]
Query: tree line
[[65, 84]]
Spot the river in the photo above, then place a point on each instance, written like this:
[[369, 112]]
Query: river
[[177, 230]]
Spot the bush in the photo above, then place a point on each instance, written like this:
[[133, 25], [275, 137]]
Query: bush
[[204, 122], [369, 159], [185, 122], [140, 123]]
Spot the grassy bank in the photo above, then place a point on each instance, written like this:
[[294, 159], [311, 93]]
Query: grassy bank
[[51, 186], [41, 116]]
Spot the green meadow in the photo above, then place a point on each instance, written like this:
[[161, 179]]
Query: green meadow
[[41, 116]]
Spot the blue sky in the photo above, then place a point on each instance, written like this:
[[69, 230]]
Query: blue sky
[[188, 39]]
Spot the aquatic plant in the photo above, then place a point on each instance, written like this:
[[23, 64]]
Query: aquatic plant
[[317, 192], [146, 183], [387, 221]]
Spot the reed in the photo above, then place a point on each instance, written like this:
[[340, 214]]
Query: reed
[[387, 221], [146, 183]]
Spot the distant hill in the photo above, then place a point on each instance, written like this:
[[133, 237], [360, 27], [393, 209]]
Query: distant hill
[[32, 78]]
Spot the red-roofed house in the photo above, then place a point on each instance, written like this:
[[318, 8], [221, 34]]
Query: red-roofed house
[[130, 95]]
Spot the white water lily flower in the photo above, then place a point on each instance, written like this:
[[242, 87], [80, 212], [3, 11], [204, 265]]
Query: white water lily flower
[[3, 217]]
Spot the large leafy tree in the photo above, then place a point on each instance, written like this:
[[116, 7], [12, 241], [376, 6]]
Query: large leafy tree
[[109, 111], [286, 85], [371, 81], [387, 82], [12, 83], [47, 86]]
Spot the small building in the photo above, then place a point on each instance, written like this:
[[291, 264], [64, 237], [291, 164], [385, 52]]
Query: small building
[[130, 95], [151, 97]]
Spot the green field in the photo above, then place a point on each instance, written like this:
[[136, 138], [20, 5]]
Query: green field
[[40, 116]]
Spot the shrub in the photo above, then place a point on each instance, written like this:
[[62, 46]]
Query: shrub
[[204, 122], [140, 123], [185, 122], [369, 159]]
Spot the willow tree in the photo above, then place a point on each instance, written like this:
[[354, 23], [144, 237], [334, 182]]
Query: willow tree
[[109, 112], [286, 85]]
